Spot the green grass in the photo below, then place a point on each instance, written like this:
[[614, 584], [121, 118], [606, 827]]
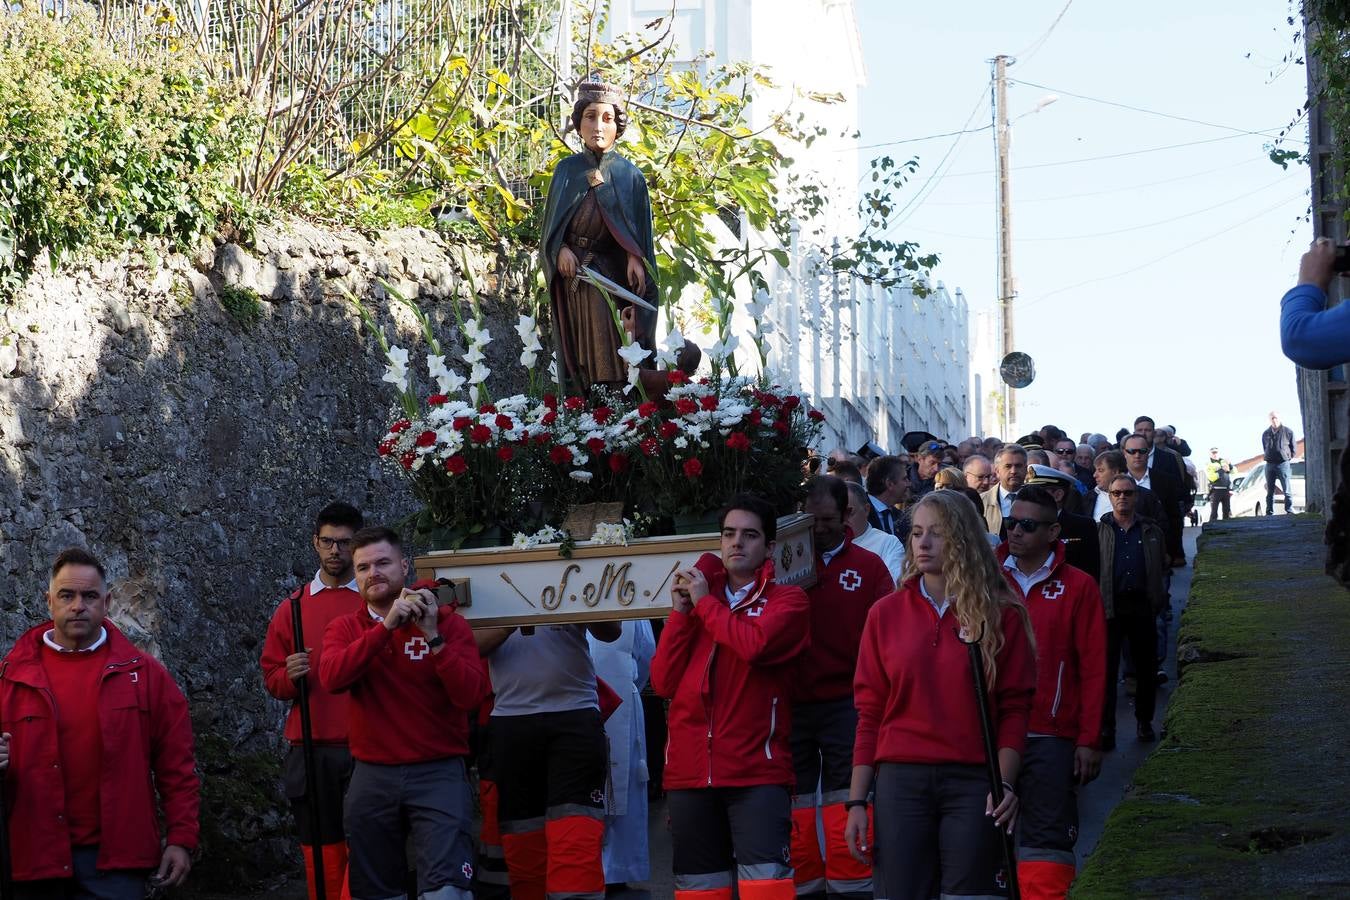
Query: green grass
[[242, 304], [1254, 761]]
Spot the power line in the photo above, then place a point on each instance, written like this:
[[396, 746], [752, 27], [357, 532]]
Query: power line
[[1140, 109], [1088, 159], [919, 140], [1227, 229], [937, 175], [1036, 45]]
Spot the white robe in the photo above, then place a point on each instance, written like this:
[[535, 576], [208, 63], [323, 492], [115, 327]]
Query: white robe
[[625, 665]]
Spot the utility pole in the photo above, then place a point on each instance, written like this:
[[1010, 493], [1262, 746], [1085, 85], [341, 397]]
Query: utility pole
[[1005, 275]]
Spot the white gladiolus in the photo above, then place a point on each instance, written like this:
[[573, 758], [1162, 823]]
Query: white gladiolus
[[396, 373], [479, 374], [476, 335]]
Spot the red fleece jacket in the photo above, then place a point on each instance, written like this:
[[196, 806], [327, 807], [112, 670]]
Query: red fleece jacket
[[845, 591], [915, 692]]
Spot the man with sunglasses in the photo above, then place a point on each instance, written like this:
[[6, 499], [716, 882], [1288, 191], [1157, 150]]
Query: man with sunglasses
[[1163, 481], [1077, 533], [1065, 606], [330, 595], [1134, 591]]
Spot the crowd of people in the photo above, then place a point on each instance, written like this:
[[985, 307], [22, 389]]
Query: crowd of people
[[828, 741]]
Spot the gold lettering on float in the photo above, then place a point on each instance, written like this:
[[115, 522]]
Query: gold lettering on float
[[611, 578], [551, 597]]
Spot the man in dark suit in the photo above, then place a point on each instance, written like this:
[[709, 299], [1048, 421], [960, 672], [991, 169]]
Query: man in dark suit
[[1079, 533], [1164, 480], [887, 485]]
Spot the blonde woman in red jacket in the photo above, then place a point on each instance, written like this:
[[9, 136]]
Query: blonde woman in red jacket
[[919, 745]]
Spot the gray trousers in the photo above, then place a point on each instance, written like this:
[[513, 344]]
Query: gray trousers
[[429, 802]]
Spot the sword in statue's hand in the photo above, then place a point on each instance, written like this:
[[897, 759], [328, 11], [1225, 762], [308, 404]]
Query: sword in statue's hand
[[613, 288]]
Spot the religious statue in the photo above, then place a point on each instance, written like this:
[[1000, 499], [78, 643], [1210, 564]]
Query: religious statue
[[598, 217]]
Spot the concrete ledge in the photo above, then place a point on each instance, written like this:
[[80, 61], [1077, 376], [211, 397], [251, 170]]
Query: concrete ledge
[[1247, 794]]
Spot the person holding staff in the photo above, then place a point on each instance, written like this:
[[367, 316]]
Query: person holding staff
[[919, 742]]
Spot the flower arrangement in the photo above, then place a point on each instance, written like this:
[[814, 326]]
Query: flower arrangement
[[486, 469]]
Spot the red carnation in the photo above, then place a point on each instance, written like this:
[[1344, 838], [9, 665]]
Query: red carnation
[[459, 423], [617, 462], [480, 434], [504, 422], [602, 414], [692, 468], [596, 445], [769, 400], [560, 455], [426, 439], [669, 430], [677, 376], [755, 417], [487, 408], [406, 460], [684, 406], [781, 426], [816, 415], [704, 381], [650, 446], [505, 452], [791, 402], [543, 438], [386, 447], [647, 410], [456, 465], [573, 404], [400, 426], [709, 403], [549, 417], [438, 399], [551, 401], [738, 441]]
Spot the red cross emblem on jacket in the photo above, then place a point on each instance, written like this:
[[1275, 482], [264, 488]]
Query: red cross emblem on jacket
[[1052, 589], [416, 648], [850, 580]]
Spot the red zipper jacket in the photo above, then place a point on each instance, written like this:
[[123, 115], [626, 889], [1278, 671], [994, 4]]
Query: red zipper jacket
[[915, 692], [147, 750], [728, 673], [1070, 627], [844, 592], [327, 711], [408, 704]]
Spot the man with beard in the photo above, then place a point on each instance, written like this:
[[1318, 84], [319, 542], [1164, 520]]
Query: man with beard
[[411, 670], [329, 595]]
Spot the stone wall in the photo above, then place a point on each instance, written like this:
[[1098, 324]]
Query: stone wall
[[190, 451]]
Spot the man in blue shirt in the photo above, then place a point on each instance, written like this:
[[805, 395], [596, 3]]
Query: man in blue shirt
[[1312, 335]]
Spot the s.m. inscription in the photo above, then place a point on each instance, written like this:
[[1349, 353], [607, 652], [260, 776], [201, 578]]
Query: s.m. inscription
[[614, 581]]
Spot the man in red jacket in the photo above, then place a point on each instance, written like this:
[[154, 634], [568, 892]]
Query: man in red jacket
[[411, 671], [726, 662], [93, 729], [1069, 622], [332, 593], [849, 580]]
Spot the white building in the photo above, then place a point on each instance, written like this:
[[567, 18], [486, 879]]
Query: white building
[[879, 362]]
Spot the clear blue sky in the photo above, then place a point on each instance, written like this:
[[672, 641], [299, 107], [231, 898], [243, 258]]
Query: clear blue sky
[[1116, 329]]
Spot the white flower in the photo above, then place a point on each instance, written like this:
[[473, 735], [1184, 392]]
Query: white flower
[[528, 358], [756, 307], [529, 334], [580, 475], [634, 353], [475, 355], [610, 533], [450, 382], [723, 349], [553, 370], [521, 541], [681, 442], [476, 335], [764, 326], [479, 374], [396, 373], [673, 344]]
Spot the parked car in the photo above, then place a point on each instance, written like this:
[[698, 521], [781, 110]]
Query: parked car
[[1249, 497]]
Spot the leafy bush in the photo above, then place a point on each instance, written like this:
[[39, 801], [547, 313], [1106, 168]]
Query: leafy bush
[[100, 145]]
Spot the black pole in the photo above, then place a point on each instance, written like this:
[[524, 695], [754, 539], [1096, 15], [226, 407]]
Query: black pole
[[991, 758], [6, 872], [307, 745]]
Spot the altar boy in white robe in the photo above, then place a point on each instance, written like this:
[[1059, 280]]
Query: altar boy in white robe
[[624, 665]]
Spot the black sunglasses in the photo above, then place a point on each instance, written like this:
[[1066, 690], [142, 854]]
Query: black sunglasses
[[1030, 526], [1139, 452], [1123, 493]]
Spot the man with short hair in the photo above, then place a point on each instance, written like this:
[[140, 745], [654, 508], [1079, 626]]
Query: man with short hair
[[95, 732], [1083, 458], [727, 660], [887, 485], [1077, 533], [979, 472], [1061, 754], [1134, 592], [1010, 468], [882, 543], [1162, 480], [1219, 477], [413, 677], [1108, 466], [849, 580], [328, 596], [1278, 448]]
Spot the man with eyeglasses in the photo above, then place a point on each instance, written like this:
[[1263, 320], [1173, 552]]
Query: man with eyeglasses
[[1134, 591], [330, 595], [979, 473], [1065, 607]]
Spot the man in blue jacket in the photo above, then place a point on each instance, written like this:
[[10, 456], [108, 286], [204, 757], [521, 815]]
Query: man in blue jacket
[[1312, 335]]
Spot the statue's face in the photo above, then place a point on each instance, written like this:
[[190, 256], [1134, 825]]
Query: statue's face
[[599, 127]]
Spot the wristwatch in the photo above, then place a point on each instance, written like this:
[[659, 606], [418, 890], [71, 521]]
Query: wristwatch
[[850, 804], [435, 642]]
